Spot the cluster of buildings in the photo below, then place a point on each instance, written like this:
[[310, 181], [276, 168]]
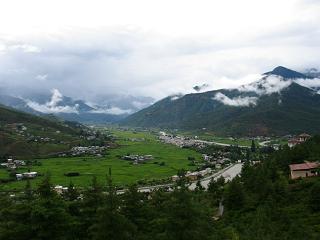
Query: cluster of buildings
[[90, 150], [33, 138], [218, 160], [136, 159], [21, 130], [298, 139], [193, 176], [13, 164], [181, 141]]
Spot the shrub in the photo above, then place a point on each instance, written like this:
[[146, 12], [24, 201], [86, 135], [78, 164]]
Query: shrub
[[72, 174]]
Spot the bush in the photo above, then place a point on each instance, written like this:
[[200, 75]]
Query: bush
[[72, 174]]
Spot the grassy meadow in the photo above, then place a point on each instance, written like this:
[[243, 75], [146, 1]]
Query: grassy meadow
[[123, 172]]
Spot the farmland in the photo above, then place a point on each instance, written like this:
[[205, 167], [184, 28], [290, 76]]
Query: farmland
[[168, 159]]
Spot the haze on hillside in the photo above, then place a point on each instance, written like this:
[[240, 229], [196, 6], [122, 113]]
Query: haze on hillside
[[92, 50]]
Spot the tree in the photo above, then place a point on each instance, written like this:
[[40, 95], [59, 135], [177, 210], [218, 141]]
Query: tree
[[133, 202], [72, 193], [315, 197], [28, 191], [253, 146], [15, 219], [92, 200], [185, 218], [49, 218], [110, 223], [234, 197], [215, 190], [199, 187]]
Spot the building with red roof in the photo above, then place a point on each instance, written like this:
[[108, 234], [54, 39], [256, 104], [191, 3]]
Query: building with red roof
[[302, 170]]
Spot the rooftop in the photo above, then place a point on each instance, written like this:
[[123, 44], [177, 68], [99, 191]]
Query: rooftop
[[304, 166]]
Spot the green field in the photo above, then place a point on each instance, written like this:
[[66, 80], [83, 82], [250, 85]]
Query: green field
[[122, 171], [246, 142]]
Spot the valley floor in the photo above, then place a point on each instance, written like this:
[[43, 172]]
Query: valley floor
[[168, 159]]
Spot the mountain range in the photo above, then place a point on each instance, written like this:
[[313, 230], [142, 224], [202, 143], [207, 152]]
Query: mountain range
[[110, 109], [281, 102]]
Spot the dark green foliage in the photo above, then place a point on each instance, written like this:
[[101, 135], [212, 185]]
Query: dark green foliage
[[49, 218], [253, 146], [315, 197], [215, 190], [110, 222], [235, 195]]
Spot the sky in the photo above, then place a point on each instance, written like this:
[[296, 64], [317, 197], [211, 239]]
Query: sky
[[88, 49]]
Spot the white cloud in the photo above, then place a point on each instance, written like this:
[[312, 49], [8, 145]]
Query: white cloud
[[237, 102], [24, 48], [112, 110], [44, 108], [136, 51], [309, 83], [42, 77], [267, 85], [176, 97], [140, 105], [52, 106]]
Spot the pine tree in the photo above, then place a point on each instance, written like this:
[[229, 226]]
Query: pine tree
[[110, 223], [253, 146], [234, 197], [49, 219]]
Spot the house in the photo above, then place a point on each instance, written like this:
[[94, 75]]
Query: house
[[292, 143], [60, 189], [192, 176], [218, 166], [29, 174], [302, 170], [175, 178], [298, 139], [19, 176], [303, 137]]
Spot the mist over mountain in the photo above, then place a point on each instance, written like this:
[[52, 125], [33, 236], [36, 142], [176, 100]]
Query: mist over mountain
[[110, 109], [282, 101]]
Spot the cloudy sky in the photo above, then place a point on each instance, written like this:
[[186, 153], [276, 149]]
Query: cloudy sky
[[91, 48]]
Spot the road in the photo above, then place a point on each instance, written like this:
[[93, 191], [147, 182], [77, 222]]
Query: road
[[264, 143], [228, 173], [219, 144]]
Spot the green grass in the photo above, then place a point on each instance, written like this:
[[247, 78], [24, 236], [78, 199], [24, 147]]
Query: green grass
[[209, 136], [122, 171]]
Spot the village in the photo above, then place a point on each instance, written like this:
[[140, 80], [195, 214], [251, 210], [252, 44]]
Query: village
[[137, 159]]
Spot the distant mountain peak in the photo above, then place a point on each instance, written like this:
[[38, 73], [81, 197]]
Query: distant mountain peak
[[286, 73]]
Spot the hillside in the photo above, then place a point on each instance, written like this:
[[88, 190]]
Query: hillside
[[26, 135], [275, 104]]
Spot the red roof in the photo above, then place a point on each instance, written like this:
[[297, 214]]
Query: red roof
[[304, 166]]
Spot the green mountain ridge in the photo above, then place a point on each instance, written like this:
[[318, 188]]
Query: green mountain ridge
[[27, 135], [291, 110]]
